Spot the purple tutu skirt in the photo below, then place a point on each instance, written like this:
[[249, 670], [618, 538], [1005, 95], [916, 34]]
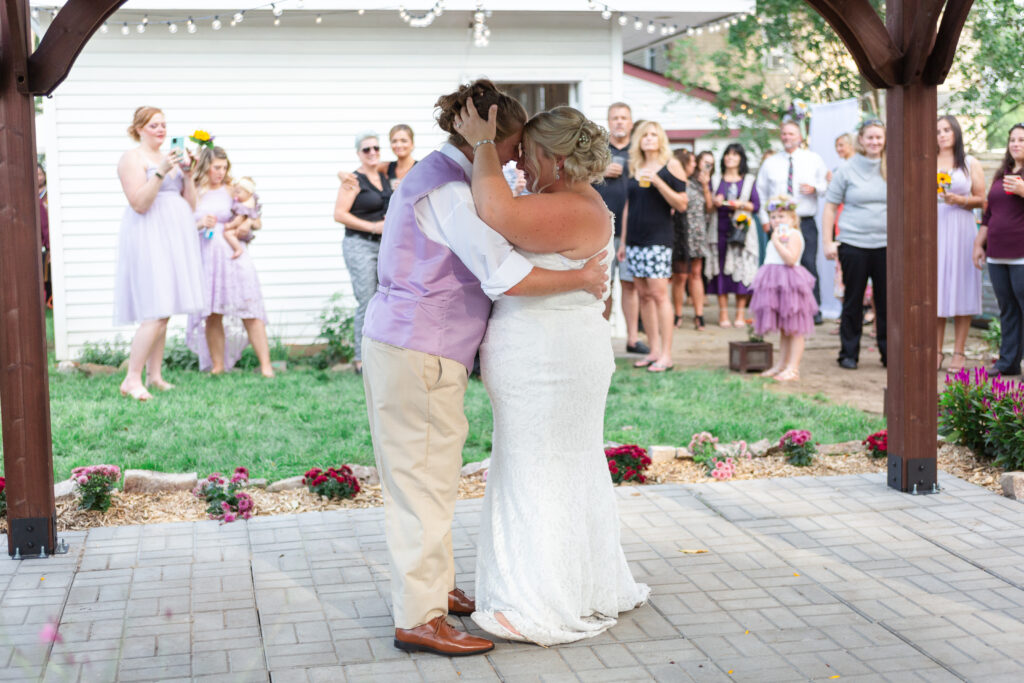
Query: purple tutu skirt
[[783, 300]]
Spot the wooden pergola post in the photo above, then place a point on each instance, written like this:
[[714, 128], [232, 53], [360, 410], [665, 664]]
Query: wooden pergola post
[[909, 55], [24, 382]]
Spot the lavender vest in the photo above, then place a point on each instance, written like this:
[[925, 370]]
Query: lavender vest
[[426, 299]]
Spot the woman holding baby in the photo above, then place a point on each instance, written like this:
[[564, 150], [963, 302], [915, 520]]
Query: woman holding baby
[[232, 288]]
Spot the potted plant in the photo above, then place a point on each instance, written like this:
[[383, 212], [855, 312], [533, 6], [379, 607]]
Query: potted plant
[[753, 355]]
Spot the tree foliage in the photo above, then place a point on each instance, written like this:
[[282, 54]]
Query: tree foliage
[[788, 52]]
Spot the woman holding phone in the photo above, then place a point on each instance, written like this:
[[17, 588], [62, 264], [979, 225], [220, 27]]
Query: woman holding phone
[[159, 273]]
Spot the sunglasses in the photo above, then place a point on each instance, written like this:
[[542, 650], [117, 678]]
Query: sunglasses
[[367, 150]]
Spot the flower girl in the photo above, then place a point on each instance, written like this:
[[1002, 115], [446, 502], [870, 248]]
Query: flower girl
[[783, 297]]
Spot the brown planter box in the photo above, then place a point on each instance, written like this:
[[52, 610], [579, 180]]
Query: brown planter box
[[750, 356]]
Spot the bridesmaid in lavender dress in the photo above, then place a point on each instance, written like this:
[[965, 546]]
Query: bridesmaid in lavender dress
[[233, 286], [959, 294], [158, 267]]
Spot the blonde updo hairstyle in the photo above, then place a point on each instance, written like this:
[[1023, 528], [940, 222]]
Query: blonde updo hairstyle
[[141, 117], [511, 115], [564, 131]]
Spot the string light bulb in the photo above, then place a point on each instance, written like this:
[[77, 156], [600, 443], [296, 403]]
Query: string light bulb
[[141, 28], [637, 24], [277, 21], [277, 11], [172, 27], [606, 13], [361, 12], [104, 28], [319, 19], [238, 18], [125, 30], [191, 26], [623, 20], [651, 28], [215, 24]]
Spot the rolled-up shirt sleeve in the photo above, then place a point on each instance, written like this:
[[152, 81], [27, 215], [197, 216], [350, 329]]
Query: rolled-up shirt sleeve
[[448, 216]]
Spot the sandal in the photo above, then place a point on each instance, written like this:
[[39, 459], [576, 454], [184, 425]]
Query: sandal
[[788, 375], [643, 363], [953, 366], [771, 372], [724, 323], [942, 359], [139, 394], [698, 322], [740, 322], [678, 322], [658, 367]]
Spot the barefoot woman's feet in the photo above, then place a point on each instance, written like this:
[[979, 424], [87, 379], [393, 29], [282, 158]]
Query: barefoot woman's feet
[[160, 385], [788, 375], [772, 371], [137, 392], [506, 625]]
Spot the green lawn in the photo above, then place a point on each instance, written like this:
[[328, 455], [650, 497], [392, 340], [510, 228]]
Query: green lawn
[[306, 417]]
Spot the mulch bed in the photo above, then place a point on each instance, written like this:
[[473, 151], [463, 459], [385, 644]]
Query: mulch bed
[[182, 506]]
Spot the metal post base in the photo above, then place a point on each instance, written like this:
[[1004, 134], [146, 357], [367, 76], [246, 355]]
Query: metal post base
[[921, 475], [30, 535]]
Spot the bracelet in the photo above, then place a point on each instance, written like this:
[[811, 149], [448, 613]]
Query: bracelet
[[158, 174], [482, 142]]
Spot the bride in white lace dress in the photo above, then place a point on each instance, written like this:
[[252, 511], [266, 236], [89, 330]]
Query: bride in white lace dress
[[550, 567]]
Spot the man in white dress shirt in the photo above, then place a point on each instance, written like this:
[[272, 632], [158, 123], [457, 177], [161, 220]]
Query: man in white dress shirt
[[801, 174]]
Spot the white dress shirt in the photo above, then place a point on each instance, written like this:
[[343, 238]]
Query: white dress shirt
[[447, 215], [808, 169]]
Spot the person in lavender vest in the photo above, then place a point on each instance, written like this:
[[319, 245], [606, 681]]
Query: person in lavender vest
[[439, 268]]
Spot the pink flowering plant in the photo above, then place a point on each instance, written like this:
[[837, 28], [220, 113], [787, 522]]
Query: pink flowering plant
[[704, 448], [334, 482], [878, 444], [94, 484], [798, 448], [986, 414], [3, 496], [223, 499], [627, 463]]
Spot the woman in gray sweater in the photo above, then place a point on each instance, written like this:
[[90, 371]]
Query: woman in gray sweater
[[860, 186]]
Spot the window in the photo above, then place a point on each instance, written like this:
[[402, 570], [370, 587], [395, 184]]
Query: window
[[538, 97]]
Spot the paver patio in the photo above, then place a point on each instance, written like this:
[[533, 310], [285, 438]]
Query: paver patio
[[803, 579]]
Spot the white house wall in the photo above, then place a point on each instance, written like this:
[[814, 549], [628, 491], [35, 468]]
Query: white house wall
[[286, 103]]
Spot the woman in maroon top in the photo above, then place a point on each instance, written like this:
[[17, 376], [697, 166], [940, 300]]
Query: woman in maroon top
[[1000, 242]]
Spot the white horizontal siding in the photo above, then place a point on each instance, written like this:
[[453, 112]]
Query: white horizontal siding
[[672, 110], [286, 103]]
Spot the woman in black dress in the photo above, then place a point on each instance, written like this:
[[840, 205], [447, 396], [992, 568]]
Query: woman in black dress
[[361, 207]]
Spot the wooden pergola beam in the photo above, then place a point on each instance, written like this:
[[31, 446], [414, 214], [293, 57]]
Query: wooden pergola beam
[[941, 58], [76, 22], [865, 36], [921, 33]]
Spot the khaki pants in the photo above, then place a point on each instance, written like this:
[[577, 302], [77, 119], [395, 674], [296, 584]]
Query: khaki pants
[[415, 405]]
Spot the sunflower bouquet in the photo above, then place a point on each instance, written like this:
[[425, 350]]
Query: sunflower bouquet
[[202, 139], [945, 180]]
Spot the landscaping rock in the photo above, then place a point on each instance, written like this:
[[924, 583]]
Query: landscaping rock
[[149, 481], [469, 469], [257, 483], [1009, 483], [67, 367], [366, 475], [661, 453], [64, 490], [286, 484], [96, 370], [759, 449], [683, 453], [124, 365], [842, 448], [1018, 488]]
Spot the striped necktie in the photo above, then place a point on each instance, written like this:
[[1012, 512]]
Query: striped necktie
[[789, 177]]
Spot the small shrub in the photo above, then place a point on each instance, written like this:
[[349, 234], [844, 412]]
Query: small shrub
[[178, 356], [752, 334], [107, 353], [336, 328], [878, 444], [993, 336], [94, 484], [223, 499], [627, 463], [703, 447], [334, 482], [3, 496], [964, 405], [1004, 416], [798, 448]]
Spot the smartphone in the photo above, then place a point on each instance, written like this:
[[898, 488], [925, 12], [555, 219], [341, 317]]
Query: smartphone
[[178, 145]]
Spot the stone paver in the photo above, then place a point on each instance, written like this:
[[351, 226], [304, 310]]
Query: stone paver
[[803, 579]]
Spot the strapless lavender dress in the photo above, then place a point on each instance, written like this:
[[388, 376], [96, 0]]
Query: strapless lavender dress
[[232, 286], [158, 268]]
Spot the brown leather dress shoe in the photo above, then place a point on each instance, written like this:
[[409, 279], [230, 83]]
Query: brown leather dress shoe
[[439, 637], [460, 604]]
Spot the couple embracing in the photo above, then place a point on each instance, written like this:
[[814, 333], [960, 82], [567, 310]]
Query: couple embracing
[[550, 567]]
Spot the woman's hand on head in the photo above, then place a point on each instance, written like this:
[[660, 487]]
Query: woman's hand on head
[[474, 128]]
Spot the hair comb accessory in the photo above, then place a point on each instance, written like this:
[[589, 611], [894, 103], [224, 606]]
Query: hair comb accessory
[[781, 204], [582, 137]]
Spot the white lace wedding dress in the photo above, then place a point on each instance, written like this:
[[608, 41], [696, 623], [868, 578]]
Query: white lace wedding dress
[[549, 556]]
